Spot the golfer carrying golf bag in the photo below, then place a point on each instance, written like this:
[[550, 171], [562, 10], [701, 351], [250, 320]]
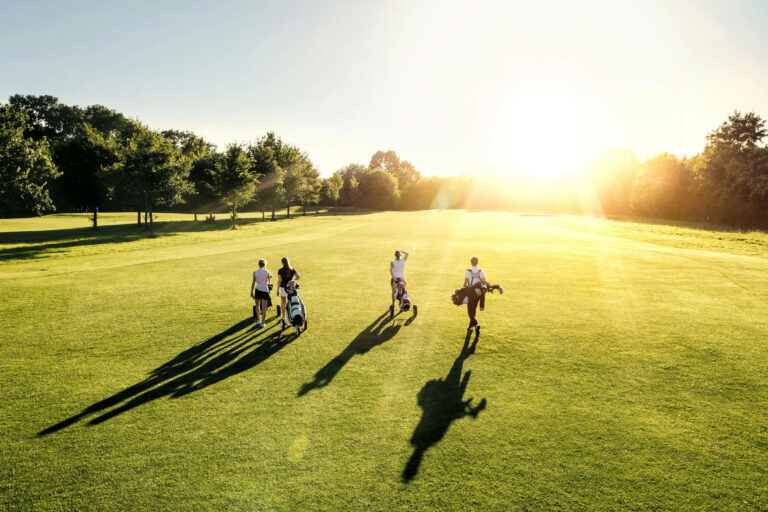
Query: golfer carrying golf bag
[[472, 277]]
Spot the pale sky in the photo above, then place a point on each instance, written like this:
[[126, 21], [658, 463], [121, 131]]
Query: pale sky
[[454, 87]]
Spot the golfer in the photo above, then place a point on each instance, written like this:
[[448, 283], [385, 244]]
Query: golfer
[[260, 291], [397, 271], [286, 274], [473, 277]]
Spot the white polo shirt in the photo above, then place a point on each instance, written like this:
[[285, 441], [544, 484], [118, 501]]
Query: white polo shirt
[[261, 275], [475, 275], [398, 268]]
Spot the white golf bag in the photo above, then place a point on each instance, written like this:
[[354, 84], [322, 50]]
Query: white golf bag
[[294, 307]]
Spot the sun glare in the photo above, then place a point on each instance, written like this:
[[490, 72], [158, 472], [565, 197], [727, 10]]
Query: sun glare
[[544, 136]]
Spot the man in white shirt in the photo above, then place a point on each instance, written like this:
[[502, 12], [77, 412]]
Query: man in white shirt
[[397, 270], [260, 291], [472, 277]]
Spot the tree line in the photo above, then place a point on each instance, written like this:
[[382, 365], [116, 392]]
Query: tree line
[[57, 157], [726, 183]]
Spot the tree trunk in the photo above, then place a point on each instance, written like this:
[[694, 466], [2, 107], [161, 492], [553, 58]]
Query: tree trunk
[[95, 217], [145, 217], [304, 210], [273, 214], [287, 212], [138, 217], [195, 216], [262, 215], [233, 214]]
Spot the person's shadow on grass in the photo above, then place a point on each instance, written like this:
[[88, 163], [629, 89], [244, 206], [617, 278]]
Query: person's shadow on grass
[[442, 402], [379, 331], [228, 353]]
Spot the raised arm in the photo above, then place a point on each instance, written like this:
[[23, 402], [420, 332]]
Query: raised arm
[[406, 254]]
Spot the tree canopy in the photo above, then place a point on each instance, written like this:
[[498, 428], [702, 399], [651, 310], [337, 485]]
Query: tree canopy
[[54, 155]]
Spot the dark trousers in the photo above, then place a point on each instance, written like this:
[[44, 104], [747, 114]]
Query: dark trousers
[[472, 310]]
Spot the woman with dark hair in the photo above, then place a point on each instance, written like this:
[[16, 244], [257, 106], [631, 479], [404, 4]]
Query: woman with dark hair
[[284, 276]]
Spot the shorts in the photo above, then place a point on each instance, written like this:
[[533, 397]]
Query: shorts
[[281, 291], [393, 281], [260, 295]]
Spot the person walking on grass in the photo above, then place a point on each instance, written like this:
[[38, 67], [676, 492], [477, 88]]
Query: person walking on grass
[[397, 271], [286, 274], [474, 278], [260, 292]]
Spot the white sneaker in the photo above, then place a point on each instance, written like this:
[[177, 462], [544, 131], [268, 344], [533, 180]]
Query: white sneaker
[[482, 309]]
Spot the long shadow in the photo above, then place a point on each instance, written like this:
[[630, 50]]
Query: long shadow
[[235, 350], [35, 243], [442, 402], [375, 334]]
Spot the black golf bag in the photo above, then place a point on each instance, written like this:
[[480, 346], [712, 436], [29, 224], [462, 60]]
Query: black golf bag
[[476, 292]]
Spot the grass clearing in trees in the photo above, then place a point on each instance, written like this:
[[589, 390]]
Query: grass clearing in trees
[[624, 368]]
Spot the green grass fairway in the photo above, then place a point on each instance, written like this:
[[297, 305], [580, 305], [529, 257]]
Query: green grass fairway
[[624, 368]]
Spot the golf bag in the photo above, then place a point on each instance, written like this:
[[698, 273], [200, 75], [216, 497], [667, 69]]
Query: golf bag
[[402, 298], [294, 307], [477, 292]]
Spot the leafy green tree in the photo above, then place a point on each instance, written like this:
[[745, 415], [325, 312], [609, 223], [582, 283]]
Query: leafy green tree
[[201, 155], [26, 167], [272, 195], [110, 122], [152, 172], [311, 193], [379, 190], [350, 190], [662, 188], [234, 179], [403, 170], [385, 160], [331, 189], [47, 117], [300, 182], [612, 175], [353, 191], [286, 171], [740, 133], [85, 161], [732, 171], [294, 182]]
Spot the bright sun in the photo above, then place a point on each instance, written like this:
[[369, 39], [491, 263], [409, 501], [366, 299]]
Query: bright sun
[[544, 135]]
